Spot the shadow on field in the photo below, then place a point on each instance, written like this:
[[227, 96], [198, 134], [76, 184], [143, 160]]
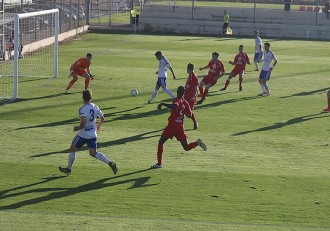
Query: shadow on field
[[216, 104], [109, 117], [306, 93], [141, 136], [56, 193], [287, 123]]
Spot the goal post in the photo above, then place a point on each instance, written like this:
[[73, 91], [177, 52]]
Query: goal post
[[28, 40]]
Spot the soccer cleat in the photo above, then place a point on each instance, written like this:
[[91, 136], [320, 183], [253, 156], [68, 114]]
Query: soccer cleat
[[156, 166], [265, 94], [65, 170], [113, 166], [196, 125], [67, 92], [223, 89], [326, 109], [240, 88], [149, 101], [256, 70], [201, 144], [200, 101]]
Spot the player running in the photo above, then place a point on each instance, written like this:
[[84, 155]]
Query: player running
[[87, 133], [258, 50], [164, 64], [216, 70], [267, 68], [175, 127], [240, 61], [191, 92], [80, 68]]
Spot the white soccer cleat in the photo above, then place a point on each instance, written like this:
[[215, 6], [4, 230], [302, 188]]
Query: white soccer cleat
[[156, 166], [201, 144]]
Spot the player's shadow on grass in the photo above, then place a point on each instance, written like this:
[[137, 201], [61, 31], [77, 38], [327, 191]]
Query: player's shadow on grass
[[76, 120], [229, 101], [306, 93], [289, 122], [57, 193], [137, 137]]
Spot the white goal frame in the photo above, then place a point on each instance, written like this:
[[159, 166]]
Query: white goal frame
[[16, 43]]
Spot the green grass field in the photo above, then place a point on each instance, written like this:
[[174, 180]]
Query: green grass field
[[266, 167]]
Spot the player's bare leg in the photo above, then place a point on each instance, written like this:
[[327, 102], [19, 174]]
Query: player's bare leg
[[75, 78]]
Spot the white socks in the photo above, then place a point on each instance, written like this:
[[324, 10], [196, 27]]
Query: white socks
[[102, 157], [71, 158], [168, 91]]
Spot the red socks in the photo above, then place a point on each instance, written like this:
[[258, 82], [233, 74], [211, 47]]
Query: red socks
[[160, 154], [192, 145], [71, 83]]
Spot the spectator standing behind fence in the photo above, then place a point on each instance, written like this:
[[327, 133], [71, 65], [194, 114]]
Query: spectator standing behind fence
[[327, 8], [226, 19]]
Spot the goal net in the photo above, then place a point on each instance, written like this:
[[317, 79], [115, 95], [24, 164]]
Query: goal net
[[29, 48]]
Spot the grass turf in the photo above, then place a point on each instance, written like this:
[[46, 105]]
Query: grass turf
[[266, 167]]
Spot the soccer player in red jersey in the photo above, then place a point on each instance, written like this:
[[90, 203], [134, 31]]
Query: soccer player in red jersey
[[216, 70], [240, 61], [191, 93], [175, 127], [80, 68]]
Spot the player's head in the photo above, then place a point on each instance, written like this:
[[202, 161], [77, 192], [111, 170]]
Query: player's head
[[267, 46], [159, 55], [190, 68], [180, 91], [215, 55], [87, 95], [256, 33], [240, 48], [89, 56]]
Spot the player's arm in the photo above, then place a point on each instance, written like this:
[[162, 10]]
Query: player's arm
[[194, 94], [83, 121], [274, 64], [169, 106], [99, 123], [202, 68], [172, 71], [232, 63]]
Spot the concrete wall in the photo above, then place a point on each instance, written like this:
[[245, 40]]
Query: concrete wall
[[209, 20]]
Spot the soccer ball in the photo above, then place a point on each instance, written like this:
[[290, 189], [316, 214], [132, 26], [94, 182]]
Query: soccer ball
[[134, 92]]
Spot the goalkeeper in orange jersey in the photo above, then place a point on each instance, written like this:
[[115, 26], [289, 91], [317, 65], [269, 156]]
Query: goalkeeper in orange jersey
[[80, 68]]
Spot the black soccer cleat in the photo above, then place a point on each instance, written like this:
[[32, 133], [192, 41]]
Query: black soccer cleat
[[240, 88], [65, 170], [113, 166], [195, 125]]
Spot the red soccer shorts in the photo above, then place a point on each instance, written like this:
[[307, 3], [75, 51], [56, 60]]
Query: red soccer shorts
[[209, 80], [79, 71], [174, 131], [236, 71]]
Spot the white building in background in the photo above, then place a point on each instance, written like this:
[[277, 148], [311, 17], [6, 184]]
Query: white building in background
[[9, 2]]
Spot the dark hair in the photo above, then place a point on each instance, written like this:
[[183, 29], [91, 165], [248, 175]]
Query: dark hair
[[89, 55], [180, 91], [267, 44], [190, 66], [158, 53], [241, 46], [216, 54], [87, 95]]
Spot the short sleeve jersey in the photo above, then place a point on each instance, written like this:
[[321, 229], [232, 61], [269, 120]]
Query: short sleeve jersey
[[240, 60], [258, 44], [191, 84], [82, 64], [215, 68], [91, 112], [164, 64], [177, 115], [268, 58]]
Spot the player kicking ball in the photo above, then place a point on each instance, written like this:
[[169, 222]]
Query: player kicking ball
[[80, 68], [175, 127], [240, 61]]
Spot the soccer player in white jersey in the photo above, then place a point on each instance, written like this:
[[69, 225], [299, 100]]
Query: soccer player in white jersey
[[87, 133], [258, 50], [267, 68], [164, 64]]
